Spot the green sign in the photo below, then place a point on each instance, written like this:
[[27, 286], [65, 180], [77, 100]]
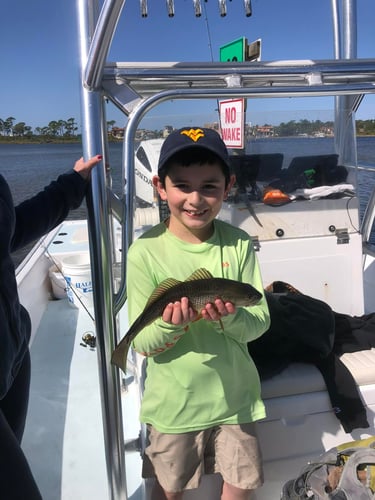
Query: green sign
[[233, 51]]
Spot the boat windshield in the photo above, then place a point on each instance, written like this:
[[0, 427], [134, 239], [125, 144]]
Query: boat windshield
[[288, 173]]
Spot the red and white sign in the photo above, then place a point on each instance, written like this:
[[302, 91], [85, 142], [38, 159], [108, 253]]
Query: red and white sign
[[232, 119]]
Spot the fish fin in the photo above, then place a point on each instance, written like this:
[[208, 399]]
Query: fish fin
[[120, 354], [168, 283], [200, 274], [161, 289]]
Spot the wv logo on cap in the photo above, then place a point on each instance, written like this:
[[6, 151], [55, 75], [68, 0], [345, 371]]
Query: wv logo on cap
[[194, 133]]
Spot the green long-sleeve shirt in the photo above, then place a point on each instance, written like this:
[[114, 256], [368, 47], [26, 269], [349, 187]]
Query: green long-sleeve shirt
[[200, 376]]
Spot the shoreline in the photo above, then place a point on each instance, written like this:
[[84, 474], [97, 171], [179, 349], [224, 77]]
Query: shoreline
[[39, 140]]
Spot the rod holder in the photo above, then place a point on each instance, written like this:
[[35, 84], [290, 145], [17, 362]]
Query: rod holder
[[223, 8], [144, 10], [170, 8], [197, 8], [248, 9]]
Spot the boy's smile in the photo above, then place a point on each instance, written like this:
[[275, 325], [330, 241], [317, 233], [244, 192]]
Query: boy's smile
[[194, 194]]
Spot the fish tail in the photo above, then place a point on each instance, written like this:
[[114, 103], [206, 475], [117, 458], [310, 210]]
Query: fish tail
[[120, 354]]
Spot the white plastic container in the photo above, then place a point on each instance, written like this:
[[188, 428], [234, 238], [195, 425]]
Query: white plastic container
[[58, 283], [77, 272]]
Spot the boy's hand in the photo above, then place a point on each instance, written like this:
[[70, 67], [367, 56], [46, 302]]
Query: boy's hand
[[215, 311], [179, 313]]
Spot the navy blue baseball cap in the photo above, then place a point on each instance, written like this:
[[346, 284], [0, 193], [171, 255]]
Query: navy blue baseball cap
[[193, 137]]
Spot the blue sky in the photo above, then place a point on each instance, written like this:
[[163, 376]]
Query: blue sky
[[39, 46]]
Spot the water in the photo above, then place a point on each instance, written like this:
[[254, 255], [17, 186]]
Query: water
[[30, 167]]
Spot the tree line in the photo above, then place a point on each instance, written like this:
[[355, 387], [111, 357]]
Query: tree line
[[363, 127], [307, 128], [55, 128], [68, 128]]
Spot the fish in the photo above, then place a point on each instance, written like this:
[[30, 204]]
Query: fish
[[200, 288]]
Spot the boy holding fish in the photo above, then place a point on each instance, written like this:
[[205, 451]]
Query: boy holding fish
[[202, 391]]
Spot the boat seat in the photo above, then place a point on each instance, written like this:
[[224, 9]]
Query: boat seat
[[309, 172], [302, 378], [301, 163], [250, 168], [326, 170]]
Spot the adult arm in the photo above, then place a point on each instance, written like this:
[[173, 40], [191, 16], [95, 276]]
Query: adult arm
[[44, 211]]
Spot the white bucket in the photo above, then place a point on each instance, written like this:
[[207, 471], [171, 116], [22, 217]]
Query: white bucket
[[58, 283], [77, 272]]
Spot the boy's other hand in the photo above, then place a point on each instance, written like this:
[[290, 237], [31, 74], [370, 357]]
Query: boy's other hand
[[215, 311]]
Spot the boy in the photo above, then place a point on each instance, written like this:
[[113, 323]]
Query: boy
[[202, 392]]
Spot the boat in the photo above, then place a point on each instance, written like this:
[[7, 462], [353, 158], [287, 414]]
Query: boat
[[83, 438], [145, 167]]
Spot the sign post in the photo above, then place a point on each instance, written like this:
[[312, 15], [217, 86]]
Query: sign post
[[232, 112], [232, 118]]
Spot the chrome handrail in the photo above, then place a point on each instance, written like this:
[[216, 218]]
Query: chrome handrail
[[368, 218], [100, 236]]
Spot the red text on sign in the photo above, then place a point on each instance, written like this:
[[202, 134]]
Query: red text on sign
[[230, 115], [231, 134]]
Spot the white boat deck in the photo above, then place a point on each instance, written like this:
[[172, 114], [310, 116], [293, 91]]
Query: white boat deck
[[64, 417], [64, 432], [64, 439]]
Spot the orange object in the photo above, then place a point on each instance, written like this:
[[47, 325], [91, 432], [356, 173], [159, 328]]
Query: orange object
[[275, 197]]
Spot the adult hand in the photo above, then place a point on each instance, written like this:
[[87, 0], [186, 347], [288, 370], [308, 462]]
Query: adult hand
[[83, 168]]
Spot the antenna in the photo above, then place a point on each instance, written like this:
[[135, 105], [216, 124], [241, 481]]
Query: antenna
[[208, 32], [211, 53]]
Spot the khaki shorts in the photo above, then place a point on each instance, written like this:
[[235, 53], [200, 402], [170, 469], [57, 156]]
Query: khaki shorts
[[179, 460]]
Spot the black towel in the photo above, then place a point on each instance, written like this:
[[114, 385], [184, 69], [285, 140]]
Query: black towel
[[305, 329]]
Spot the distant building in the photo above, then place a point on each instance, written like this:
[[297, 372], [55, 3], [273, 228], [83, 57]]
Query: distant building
[[264, 131], [167, 130], [117, 132]]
